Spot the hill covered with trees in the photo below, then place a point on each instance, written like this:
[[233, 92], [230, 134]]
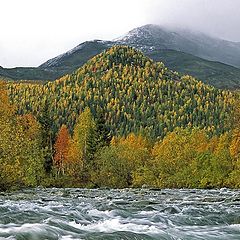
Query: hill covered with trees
[[120, 120], [134, 93]]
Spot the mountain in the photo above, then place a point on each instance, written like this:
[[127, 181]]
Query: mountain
[[153, 37], [134, 93], [77, 56], [215, 73], [180, 50], [58, 66]]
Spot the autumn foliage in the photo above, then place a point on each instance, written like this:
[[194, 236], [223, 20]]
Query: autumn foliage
[[21, 156], [61, 148], [167, 130]]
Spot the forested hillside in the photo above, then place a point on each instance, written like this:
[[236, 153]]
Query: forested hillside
[[134, 93], [121, 120]]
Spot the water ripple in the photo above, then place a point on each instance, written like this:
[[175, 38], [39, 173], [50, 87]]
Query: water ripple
[[120, 214]]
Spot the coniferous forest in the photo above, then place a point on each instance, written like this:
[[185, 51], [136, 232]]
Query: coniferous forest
[[121, 120]]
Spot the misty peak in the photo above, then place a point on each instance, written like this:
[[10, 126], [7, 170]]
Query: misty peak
[[152, 37]]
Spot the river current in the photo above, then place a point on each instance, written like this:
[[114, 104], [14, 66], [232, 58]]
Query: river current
[[120, 214]]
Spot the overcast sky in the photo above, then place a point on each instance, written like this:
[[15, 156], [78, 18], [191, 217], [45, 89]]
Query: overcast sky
[[32, 31]]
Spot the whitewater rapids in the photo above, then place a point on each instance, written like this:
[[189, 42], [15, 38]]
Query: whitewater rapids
[[120, 214]]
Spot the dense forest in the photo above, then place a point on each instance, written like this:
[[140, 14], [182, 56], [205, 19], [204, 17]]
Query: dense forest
[[134, 93], [121, 120]]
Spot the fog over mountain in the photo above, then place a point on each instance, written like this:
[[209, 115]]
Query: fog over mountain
[[218, 18], [35, 31]]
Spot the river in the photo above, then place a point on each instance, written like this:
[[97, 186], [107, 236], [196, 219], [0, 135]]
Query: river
[[120, 214]]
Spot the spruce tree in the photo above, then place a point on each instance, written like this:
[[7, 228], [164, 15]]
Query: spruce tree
[[47, 136]]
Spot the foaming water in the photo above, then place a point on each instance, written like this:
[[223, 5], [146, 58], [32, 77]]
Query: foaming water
[[120, 214]]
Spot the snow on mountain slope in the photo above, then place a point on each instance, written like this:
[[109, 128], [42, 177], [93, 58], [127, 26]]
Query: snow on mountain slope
[[57, 61], [151, 37]]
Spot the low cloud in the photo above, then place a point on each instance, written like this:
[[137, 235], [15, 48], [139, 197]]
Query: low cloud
[[219, 18]]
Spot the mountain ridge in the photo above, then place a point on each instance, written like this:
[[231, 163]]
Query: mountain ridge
[[53, 62], [212, 72], [195, 43]]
